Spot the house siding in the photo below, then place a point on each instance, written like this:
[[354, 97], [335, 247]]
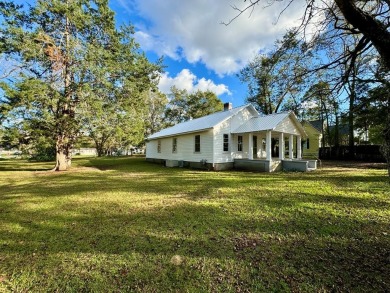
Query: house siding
[[236, 122], [219, 155], [314, 137], [288, 126], [185, 148], [225, 128], [245, 143]]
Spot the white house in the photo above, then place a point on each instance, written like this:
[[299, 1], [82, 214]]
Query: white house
[[236, 138]]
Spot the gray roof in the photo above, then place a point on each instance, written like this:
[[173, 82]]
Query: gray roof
[[200, 124], [342, 128], [261, 123], [317, 124], [268, 122]]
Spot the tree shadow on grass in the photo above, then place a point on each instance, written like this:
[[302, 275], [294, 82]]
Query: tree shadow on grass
[[22, 165], [301, 247], [233, 229]]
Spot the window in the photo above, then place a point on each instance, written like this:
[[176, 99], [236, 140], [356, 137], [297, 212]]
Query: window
[[174, 145], [197, 143], [307, 144], [226, 142], [239, 147], [159, 146]]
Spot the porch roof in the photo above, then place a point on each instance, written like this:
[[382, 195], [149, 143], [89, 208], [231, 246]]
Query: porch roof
[[269, 122]]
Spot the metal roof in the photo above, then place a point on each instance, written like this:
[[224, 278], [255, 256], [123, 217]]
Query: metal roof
[[269, 122], [199, 124]]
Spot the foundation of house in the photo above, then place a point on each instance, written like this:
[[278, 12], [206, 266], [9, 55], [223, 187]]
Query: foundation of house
[[257, 165]]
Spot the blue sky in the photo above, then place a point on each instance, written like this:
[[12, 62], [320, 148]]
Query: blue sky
[[199, 51]]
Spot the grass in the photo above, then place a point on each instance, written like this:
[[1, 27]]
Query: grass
[[120, 225]]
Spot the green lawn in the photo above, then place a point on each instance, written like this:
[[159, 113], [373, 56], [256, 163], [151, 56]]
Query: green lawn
[[117, 225]]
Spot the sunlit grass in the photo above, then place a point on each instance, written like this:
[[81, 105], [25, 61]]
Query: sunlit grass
[[116, 224]]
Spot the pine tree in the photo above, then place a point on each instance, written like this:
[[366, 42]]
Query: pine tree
[[73, 51]]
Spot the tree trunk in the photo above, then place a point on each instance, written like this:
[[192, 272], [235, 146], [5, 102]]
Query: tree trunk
[[371, 28], [337, 132], [61, 164], [351, 141], [386, 147], [64, 141], [99, 150], [386, 144], [322, 129], [351, 110], [329, 140], [63, 154]]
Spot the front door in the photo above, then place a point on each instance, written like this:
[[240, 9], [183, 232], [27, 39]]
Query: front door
[[255, 147]]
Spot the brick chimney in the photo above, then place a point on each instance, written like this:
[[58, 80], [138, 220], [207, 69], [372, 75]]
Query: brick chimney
[[227, 106]]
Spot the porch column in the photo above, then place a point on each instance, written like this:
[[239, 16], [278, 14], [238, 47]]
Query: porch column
[[291, 147], [261, 147], [281, 146], [299, 147], [250, 146], [268, 145]]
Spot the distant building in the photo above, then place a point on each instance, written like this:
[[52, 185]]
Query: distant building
[[84, 151]]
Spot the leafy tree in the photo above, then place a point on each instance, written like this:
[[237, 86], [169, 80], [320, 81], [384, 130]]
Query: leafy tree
[[156, 103], [275, 79], [112, 113], [357, 27], [26, 126], [29, 138], [373, 113], [356, 90], [67, 52], [184, 106], [12, 137], [322, 102], [111, 128]]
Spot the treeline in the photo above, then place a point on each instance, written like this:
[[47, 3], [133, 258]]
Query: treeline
[[70, 73], [333, 68]]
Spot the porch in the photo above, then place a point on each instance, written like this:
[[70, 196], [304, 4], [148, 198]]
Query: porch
[[270, 151]]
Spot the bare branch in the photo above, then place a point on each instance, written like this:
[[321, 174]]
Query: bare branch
[[241, 11]]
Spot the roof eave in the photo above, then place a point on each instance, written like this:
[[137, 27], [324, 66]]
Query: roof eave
[[257, 130], [179, 133]]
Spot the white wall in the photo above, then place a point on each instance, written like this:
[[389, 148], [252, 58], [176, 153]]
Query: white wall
[[240, 118], [211, 143], [185, 147], [219, 155], [288, 126], [226, 127], [245, 144]]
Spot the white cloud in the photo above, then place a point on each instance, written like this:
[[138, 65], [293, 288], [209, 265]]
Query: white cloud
[[309, 105], [185, 79], [193, 30]]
